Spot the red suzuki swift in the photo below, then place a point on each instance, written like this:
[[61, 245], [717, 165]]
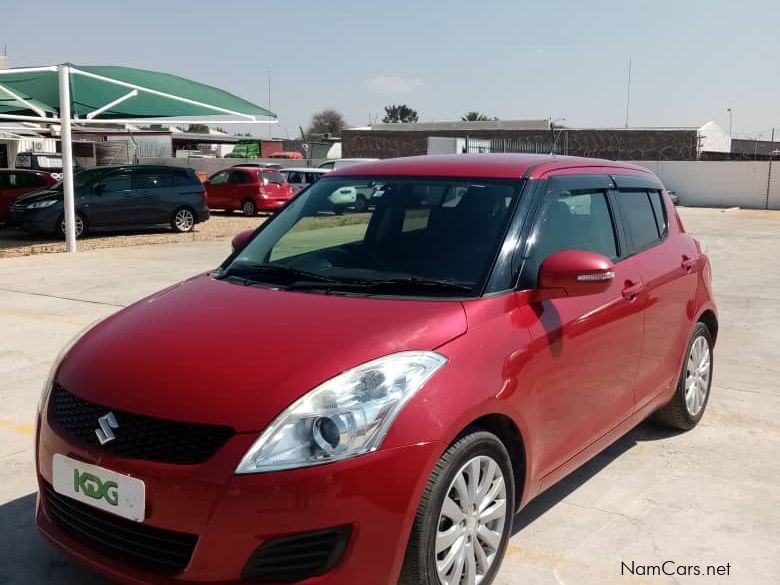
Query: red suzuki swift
[[368, 399]]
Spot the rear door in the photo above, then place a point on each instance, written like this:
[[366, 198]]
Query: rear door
[[243, 185], [152, 188], [112, 203], [670, 287], [582, 373]]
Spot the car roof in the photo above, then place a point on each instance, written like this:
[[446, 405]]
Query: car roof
[[305, 169], [488, 166], [31, 171]]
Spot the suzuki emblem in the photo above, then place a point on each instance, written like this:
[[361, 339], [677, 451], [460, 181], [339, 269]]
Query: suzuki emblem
[[105, 433]]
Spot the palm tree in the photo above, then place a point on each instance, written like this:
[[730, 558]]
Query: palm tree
[[475, 117], [399, 114]]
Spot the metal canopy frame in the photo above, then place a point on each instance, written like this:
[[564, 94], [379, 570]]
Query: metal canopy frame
[[64, 120]]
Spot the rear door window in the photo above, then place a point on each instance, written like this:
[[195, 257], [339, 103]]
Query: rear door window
[[639, 219], [240, 178], [152, 180]]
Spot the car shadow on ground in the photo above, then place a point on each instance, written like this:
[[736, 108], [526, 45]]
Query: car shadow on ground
[[646, 431], [26, 559]]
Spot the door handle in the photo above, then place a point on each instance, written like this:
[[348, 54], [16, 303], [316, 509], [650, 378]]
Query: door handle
[[631, 290], [687, 263]]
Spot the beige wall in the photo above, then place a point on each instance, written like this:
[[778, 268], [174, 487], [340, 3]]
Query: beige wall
[[720, 183]]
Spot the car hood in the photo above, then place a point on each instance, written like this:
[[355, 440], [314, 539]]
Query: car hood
[[44, 195], [214, 352]]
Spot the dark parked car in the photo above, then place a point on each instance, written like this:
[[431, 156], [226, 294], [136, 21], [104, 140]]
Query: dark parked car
[[16, 182], [371, 401], [119, 197]]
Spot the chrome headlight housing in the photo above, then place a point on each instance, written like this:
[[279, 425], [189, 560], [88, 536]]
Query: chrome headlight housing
[[41, 204], [347, 416]]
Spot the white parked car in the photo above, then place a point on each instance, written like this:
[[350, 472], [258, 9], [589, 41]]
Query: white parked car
[[301, 177], [340, 163]]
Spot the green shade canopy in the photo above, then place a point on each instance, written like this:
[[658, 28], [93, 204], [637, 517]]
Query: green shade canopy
[[88, 94]]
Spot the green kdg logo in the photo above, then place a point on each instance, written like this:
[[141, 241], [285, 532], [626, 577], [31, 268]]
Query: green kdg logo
[[90, 485]]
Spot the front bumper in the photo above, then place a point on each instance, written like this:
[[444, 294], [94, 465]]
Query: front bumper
[[376, 495], [35, 220]]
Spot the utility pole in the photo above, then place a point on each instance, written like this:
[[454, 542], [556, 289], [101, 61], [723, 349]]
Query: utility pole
[[628, 89], [769, 172], [731, 120]]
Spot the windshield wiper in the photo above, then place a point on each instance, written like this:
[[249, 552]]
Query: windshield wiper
[[404, 285], [253, 271]]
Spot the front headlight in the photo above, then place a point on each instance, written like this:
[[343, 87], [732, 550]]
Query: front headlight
[[348, 415], [40, 204]]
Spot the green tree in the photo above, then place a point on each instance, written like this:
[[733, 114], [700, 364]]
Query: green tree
[[402, 114], [327, 122], [475, 117]]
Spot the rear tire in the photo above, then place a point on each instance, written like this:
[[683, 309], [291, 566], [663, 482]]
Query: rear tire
[[183, 220], [690, 398], [249, 208], [464, 540]]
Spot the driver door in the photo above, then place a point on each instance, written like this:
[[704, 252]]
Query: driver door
[[586, 348], [112, 202]]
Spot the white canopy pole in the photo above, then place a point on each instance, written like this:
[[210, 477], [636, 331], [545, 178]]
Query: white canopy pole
[[63, 72]]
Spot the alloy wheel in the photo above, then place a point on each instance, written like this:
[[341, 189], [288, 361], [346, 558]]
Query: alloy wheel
[[697, 376], [471, 523], [79, 226], [184, 220]]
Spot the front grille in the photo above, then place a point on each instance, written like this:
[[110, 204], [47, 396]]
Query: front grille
[[296, 557], [137, 437], [154, 549]]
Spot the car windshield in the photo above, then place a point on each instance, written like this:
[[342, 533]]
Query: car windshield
[[392, 236]]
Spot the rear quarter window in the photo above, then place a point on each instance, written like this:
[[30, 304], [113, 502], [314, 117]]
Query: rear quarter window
[[152, 180], [185, 177]]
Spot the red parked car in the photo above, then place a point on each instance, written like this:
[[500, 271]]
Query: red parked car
[[15, 182], [250, 189], [380, 397]]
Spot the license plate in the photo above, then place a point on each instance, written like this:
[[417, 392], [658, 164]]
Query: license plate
[[99, 487]]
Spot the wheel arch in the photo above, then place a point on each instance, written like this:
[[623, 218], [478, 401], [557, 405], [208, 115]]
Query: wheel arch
[[509, 434], [709, 318]]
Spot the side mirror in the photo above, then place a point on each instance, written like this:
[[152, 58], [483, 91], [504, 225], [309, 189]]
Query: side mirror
[[240, 239], [573, 273]]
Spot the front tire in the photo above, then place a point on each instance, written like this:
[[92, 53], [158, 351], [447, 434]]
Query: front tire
[[690, 398], [464, 519], [81, 226], [361, 204], [183, 220]]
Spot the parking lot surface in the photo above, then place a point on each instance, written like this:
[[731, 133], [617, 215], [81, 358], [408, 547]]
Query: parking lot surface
[[706, 497]]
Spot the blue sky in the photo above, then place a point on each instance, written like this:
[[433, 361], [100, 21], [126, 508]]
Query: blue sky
[[692, 59]]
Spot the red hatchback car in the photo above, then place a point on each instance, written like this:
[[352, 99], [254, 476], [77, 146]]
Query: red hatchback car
[[249, 189], [380, 397], [15, 182]]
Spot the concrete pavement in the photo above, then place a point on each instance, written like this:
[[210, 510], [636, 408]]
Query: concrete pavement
[[707, 497]]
